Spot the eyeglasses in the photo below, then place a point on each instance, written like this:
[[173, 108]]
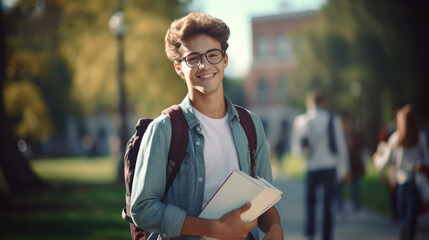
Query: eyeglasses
[[213, 56]]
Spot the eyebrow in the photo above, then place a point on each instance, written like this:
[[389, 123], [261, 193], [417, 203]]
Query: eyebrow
[[203, 53]]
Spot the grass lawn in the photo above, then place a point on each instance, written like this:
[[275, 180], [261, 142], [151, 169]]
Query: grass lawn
[[83, 203], [374, 192]]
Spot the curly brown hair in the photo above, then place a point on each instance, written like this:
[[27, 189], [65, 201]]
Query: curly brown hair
[[194, 23]]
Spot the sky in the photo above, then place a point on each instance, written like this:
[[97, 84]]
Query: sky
[[237, 14]]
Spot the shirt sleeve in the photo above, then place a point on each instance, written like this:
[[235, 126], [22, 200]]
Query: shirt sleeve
[[343, 152], [147, 209], [382, 160]]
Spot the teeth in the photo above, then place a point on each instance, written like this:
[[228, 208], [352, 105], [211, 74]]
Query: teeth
[[207, 76]]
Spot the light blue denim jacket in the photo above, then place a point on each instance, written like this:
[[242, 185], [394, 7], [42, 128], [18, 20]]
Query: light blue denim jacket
[[185, 195]]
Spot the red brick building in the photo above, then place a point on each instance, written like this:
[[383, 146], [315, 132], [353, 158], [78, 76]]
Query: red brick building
[[267, 84]]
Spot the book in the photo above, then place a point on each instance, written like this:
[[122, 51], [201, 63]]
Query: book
[[238, 189]]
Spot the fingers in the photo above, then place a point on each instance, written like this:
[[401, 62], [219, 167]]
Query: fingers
[[244, 208], [233, 226], [241, 210]]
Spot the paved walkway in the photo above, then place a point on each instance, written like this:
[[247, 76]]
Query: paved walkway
[[365, 225]]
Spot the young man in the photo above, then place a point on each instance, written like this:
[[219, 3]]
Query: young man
[[217, 145], [311, 138]]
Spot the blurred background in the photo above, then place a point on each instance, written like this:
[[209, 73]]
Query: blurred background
[[76, 75]]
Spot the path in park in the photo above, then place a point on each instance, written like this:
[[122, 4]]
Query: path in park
[[364, 225]]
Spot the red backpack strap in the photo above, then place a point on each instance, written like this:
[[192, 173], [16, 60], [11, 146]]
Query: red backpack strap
[[179, 142], [249, 127]]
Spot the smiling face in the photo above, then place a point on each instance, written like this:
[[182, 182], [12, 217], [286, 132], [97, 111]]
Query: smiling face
[[205, 79]]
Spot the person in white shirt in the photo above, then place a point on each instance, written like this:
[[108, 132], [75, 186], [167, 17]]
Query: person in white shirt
[[407, 150], [217, 145], [319, 135]]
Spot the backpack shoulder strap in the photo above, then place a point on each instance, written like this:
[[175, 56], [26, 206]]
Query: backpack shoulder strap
[[179, 142], [331, 133], [249, 127]]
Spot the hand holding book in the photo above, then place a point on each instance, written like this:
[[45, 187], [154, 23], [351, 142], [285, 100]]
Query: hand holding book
[[232, 225], [238, 190]]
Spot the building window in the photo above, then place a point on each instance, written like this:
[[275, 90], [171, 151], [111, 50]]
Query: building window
[[284, 47], [262, 90], [261, 47]]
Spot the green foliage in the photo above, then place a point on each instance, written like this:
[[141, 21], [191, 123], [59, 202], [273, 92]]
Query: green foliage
[[366, 45], [64, 49], [27, 110], [150, 80], [33, 57]]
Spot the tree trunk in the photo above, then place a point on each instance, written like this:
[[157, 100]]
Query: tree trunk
[[15, 167]]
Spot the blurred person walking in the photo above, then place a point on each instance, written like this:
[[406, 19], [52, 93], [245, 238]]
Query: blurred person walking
[[319, 136], [407, 151], [383, 137], [358, 154]]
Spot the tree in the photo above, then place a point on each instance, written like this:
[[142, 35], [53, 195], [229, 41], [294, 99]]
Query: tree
[[16, 169], [151, 83], [375, 46], [62, 56], [150, 79], [32, 88]]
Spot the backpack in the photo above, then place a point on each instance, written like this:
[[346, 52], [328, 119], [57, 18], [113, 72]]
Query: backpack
[[179, 141], [305, 142]]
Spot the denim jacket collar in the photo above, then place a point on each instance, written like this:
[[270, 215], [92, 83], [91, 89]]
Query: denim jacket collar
[[189, 113]]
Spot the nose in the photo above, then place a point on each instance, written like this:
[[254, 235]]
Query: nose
[[204, 62]]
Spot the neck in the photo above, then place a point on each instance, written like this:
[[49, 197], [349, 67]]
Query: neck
[[212, 106]]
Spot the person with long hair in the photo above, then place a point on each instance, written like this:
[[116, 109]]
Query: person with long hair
[[407, 150]]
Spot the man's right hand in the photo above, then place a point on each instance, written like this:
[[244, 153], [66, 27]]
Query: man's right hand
[[230, 225]]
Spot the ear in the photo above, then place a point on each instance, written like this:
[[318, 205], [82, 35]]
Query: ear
[[178, 68], [226, 59]]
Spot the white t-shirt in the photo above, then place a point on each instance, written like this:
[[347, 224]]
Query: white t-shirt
[[220, 154]]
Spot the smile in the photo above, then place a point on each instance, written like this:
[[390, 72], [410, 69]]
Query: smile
[[207, 76]]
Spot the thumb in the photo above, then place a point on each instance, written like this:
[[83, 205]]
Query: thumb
[[244, 208]]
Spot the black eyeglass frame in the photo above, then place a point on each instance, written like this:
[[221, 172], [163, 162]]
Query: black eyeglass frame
[[201, 57]]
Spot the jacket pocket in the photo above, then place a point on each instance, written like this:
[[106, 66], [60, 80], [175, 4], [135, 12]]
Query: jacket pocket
[[180, 185]]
